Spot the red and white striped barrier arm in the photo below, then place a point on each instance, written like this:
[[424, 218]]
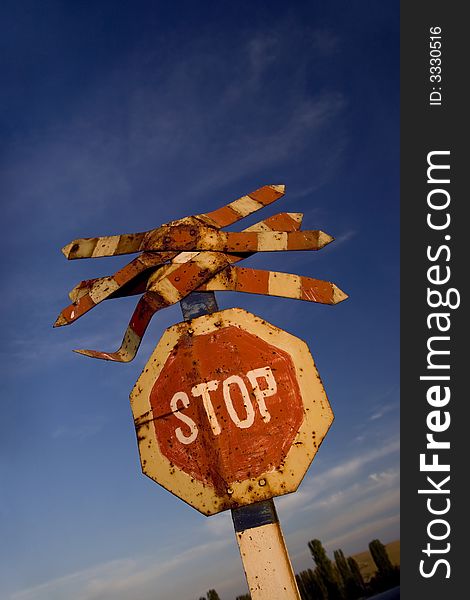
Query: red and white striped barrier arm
[[87, 294], [171, 283], [128, 243], [272, 283]]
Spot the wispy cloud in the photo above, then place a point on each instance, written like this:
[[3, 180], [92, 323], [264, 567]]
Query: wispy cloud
[[119, 579], [367, 531], [344, 237], [325, 42], [36, 350], [237, 125], [351, 515], [261, 125], [383, 410], [263, 49], [322, 481], [87, 428], [219, 525]]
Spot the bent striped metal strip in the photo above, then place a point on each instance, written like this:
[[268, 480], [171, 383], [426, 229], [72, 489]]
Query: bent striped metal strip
[[87, 294], [167, 286], [272, 283], [244, 206], [190, 238], [143, 313], [166, 290], [136, 242], [97, 288]]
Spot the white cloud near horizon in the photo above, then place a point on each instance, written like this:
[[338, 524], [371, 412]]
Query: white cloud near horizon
[[117, 579], [383, 410], [142, 575], [320, 482], [365, 531]]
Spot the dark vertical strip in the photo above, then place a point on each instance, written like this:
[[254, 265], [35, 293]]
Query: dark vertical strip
[[433, 120]]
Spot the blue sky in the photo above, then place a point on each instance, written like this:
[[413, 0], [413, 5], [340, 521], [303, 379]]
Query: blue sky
[[117, 117]]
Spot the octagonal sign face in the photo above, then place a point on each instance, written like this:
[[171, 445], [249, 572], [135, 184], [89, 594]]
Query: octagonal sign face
[[229, 410]]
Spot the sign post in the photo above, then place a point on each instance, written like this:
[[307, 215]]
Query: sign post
[[263, 551], [229, 410], [266, 562]]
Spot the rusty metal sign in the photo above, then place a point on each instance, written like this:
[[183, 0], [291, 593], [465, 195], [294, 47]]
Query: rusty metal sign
[[192, 254], [229, 410]]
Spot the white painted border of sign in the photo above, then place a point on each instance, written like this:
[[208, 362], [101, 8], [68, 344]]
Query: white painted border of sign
[[318, 417]]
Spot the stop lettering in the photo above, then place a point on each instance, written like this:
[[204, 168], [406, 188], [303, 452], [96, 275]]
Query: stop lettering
[[204, 391], [227, 406]]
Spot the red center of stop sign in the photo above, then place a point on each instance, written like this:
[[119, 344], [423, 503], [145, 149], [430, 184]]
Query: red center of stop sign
[[227, 406]]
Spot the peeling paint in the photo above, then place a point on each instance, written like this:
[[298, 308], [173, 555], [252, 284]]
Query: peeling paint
[[192, 254], [237, 458]]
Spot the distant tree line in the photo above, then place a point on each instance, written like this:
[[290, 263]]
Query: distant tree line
[[340, 579], [211, 595]]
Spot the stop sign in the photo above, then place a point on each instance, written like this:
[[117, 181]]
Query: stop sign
[[229, 410]]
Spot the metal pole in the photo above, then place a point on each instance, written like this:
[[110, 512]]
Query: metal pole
[[259, 536], [264, 554]]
